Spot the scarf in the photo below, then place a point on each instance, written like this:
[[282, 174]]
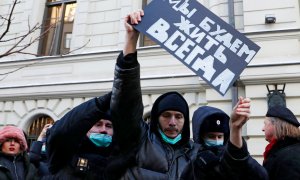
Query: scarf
[[269, 147]]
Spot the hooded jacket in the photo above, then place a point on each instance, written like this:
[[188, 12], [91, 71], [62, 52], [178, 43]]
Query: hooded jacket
[[155, 113], [222, 162], [207, 165], [154, 158], [207, 113]]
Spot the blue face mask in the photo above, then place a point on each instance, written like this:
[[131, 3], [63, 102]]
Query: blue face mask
[[100, 140], [43, 149], [212, 143], [169, 140]]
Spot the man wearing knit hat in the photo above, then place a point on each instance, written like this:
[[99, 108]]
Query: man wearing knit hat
[[282, 154], [163, 147], [14, 161]]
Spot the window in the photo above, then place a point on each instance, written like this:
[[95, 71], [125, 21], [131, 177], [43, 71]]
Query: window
[[57, 27], [67, 40], [37, 126], [144, 40]]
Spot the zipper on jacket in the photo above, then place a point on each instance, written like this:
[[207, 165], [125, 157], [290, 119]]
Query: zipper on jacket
[[171, 151], [15, 167]]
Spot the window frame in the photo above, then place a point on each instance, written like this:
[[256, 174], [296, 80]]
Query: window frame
[[59, 37]]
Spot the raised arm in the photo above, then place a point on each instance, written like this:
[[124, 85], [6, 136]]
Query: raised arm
[[35, 153], [126, 103], [132, 35], [237, 163], [239, 116]]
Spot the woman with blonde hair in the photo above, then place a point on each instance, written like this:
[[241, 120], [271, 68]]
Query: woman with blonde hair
[[14, 161], [282, 154]]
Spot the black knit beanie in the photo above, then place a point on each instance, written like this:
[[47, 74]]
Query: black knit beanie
[[172, 102]]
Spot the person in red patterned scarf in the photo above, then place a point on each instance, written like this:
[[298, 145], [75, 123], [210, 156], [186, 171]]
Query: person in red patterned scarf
[[282, 154]]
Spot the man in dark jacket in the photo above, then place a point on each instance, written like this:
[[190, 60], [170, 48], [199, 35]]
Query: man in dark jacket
[[282, 154], [211, 130], [80, 145], [210, 127], [217, 159], [163, 147]]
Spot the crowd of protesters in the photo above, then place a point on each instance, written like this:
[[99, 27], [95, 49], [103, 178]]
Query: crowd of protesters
[[106, 137]]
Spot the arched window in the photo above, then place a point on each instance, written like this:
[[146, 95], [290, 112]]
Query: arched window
[[37, 126]]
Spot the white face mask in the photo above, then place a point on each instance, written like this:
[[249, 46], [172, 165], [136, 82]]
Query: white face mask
[[212, 143]]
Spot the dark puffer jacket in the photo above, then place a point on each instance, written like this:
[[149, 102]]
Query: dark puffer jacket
[[17, 167], [283, 160], [154, 159], [67, 143]]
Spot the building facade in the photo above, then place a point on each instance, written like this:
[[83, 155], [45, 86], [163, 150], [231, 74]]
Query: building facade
[[74, 61]]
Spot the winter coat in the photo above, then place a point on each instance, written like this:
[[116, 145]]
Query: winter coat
[[238, 164], [221, 162], [154, 158], [207, 164], [283, 160], [71, 154], [39, 158], [17, 167]]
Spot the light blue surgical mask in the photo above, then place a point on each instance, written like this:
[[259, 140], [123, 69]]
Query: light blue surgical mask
[[43, 149], [212, 143], [100, 140], [169, 140]]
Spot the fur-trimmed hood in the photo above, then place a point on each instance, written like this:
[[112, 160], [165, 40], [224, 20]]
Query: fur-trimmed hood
[[13, 132]]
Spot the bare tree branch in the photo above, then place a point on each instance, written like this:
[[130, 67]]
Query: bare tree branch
[[15, 70], [17, 48], [21, 42], [78, 48], [9, 19]]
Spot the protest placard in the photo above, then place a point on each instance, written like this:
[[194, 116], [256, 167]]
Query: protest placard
[[198, 38]]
